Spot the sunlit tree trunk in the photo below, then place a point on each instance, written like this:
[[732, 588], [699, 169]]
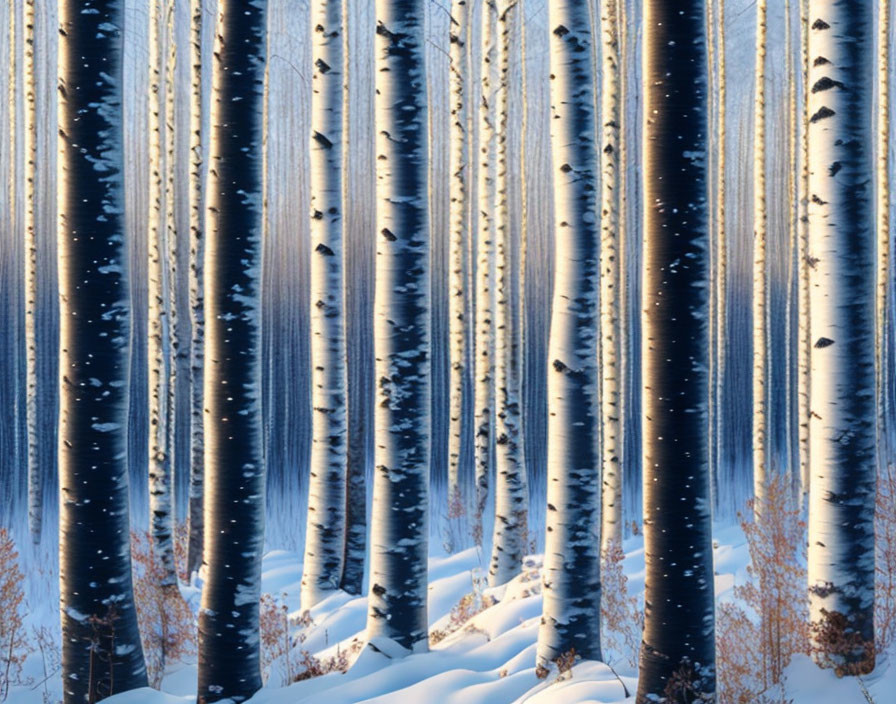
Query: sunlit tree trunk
[[883, 228], [511, 487], [234, 460], [459, 234], [197, 318], [159, 318], [803, 333], [610, 284], [485, 273], [571, 613], [761, 341], [677, 644], [842, 244], [101, 651], [35, 475], [396, 619], [325, 534]]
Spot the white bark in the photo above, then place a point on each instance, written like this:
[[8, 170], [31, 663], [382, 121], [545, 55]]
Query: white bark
[[571, 578], [396, 618], [761, 341], [842, 241], [883, 226], [511, 488], [611, 262], [197, 320], [485, 273], [35, 475], [325, 533], [459, 33], [803, 332], [159, 319]]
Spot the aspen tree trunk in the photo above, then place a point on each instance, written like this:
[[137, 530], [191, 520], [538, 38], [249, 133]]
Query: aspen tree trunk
[[721, 250], [883, 228], [571, 613], [511, 487], [159, 318], [459, 32], [171, 237], [761, 341], [325, 533], [611, 262], [197, 319], [803, 332], [842, 454], [793, 213], [678, 639], [101, 651], [35, 475], [234, 460], [396, 619], [485, 274]]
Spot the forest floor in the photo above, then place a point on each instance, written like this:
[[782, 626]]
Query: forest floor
[[482, 646]]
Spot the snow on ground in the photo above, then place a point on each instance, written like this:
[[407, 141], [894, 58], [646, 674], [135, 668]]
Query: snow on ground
[[488, 658]]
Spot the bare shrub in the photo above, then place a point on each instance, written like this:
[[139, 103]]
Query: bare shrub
[[313, 666], [622, 619], [457, 512], [465, 609], [839, 647], [14, 646], [276, 642], [167, 625], [50, 651], [885, 560], [752, 652]]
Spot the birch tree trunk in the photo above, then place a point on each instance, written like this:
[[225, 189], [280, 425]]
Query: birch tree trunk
[[325, 533], [571, 612], [396, 619], [803, 332], [234, 460], [101, 651], [35, 475], [678, 640], [485, 274], [511, 487], [197, 318], [159, 318], [460, 231], [761, 341], [611, 263], [842, 453], [883, 229]]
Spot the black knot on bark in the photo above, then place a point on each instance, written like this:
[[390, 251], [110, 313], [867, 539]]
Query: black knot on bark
[[823, 342], [387, 233], [561, 31], [820, 24], [826, 83], [323, 249], [823, 112]]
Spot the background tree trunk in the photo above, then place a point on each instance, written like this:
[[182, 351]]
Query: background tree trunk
[[571, 578], [842, 242], [101, 653], [485, 274], [325, 534], [509, 540], [612, 442], [396, 620], [197, 318], [677, 644], [235, 463]]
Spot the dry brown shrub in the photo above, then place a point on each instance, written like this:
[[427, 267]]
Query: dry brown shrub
[[167, 625], [885, 560], [276, 642], [756, 637], [622, 619], [466, 608], [313, 666], [14, 646]]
